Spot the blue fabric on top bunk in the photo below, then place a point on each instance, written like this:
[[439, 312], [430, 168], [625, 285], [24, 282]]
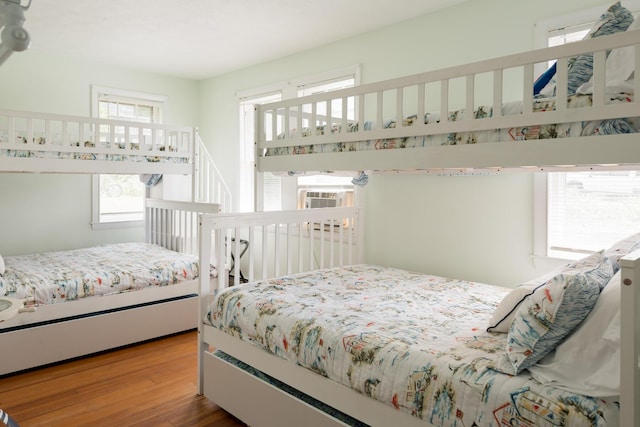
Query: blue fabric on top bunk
[[544, 79]]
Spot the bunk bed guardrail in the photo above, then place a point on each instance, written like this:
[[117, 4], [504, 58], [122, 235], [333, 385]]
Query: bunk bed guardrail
[[39, 142], [345, 117]]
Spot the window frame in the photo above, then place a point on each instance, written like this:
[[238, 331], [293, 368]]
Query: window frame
[[542, 31], [97, 93], [287, 90]]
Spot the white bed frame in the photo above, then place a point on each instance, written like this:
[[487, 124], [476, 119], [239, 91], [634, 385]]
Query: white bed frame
[[76, 137], [216, 375], [397, 98], [67, 330], [272, 120], [86, 136]]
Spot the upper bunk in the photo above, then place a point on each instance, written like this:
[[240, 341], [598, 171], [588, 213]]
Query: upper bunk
[[54, 143], [582, 118]]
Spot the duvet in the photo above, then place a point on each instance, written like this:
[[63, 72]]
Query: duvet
[[415, 342]]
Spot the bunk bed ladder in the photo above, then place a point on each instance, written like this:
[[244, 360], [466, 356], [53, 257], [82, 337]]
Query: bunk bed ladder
[[208, 184]]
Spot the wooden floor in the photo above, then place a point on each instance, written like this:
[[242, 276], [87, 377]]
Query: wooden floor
[[150, 384]]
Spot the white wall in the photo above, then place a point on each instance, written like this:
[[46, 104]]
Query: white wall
[[469, 227], [52, 212], [476, 228]]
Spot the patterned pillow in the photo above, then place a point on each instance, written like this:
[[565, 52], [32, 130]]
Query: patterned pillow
[[554, 310], [616, 19], [1, 265]]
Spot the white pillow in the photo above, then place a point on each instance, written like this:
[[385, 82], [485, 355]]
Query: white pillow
[[619, 68], [588, 361], [2, 268], [502, 318]]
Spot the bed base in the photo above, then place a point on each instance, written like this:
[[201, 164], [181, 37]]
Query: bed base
[[68, 338], [231, 387], [58, 332]]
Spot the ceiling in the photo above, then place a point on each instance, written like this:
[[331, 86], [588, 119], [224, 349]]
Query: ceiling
[[197, 39]]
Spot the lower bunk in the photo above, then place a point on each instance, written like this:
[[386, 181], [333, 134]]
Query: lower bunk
[[60, 305], [368, 345]]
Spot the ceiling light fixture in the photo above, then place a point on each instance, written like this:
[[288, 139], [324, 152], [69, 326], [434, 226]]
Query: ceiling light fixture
[[14, 37]]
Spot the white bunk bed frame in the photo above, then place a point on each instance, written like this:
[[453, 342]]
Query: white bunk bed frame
[[170, 149], [75, 137], [577, 153], [276, 122], [62, 331]]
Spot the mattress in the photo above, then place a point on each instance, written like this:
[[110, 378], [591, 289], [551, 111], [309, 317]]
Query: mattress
[[413, 341], [55, 277], [87, 155], [545, 131]]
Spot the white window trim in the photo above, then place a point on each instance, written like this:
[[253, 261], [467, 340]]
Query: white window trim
[[288, 90], [96, 91], [540, 184], [541, 28]]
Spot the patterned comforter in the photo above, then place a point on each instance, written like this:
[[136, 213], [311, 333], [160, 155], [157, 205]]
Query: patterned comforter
[[547, 131], [416, 342], [55, 277]]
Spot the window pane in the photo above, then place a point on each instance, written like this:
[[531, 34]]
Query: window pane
[[121, 198], [588, 211]]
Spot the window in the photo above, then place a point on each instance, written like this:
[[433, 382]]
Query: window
[[581, 212], [118, 200], [589, 211], [276, 192]]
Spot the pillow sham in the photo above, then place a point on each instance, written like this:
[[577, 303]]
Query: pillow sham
[[619, 69], [622, 248], [553, 311], [503, 316], [588, 361], [616, 19]]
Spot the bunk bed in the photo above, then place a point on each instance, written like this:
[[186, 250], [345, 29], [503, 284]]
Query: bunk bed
[[72, 303], [318, 367], [61, 305], [44, 142], [589, 127]]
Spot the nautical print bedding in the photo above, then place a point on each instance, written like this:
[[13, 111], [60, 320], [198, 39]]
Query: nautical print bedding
[[55, 277], [91, 156], [413, 341], [88, 150], [548, 131]]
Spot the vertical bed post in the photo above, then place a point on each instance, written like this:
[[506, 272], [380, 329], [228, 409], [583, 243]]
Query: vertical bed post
[[630, 340], [204, 238]]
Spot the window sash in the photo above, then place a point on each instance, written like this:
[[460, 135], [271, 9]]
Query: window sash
[[118, 200]]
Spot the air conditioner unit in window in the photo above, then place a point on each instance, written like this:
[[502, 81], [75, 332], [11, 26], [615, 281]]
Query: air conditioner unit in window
[[323, 199], [326, 198]]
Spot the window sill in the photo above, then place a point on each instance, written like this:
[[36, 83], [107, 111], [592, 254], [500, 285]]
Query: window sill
[[116, 224]]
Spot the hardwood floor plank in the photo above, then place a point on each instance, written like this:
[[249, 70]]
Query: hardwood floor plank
[[149, 384]]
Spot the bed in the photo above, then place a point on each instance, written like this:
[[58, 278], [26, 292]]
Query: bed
[[319, 337], [82, 301], [42, 142], [514, 125], [80, 314], [496, 366]]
